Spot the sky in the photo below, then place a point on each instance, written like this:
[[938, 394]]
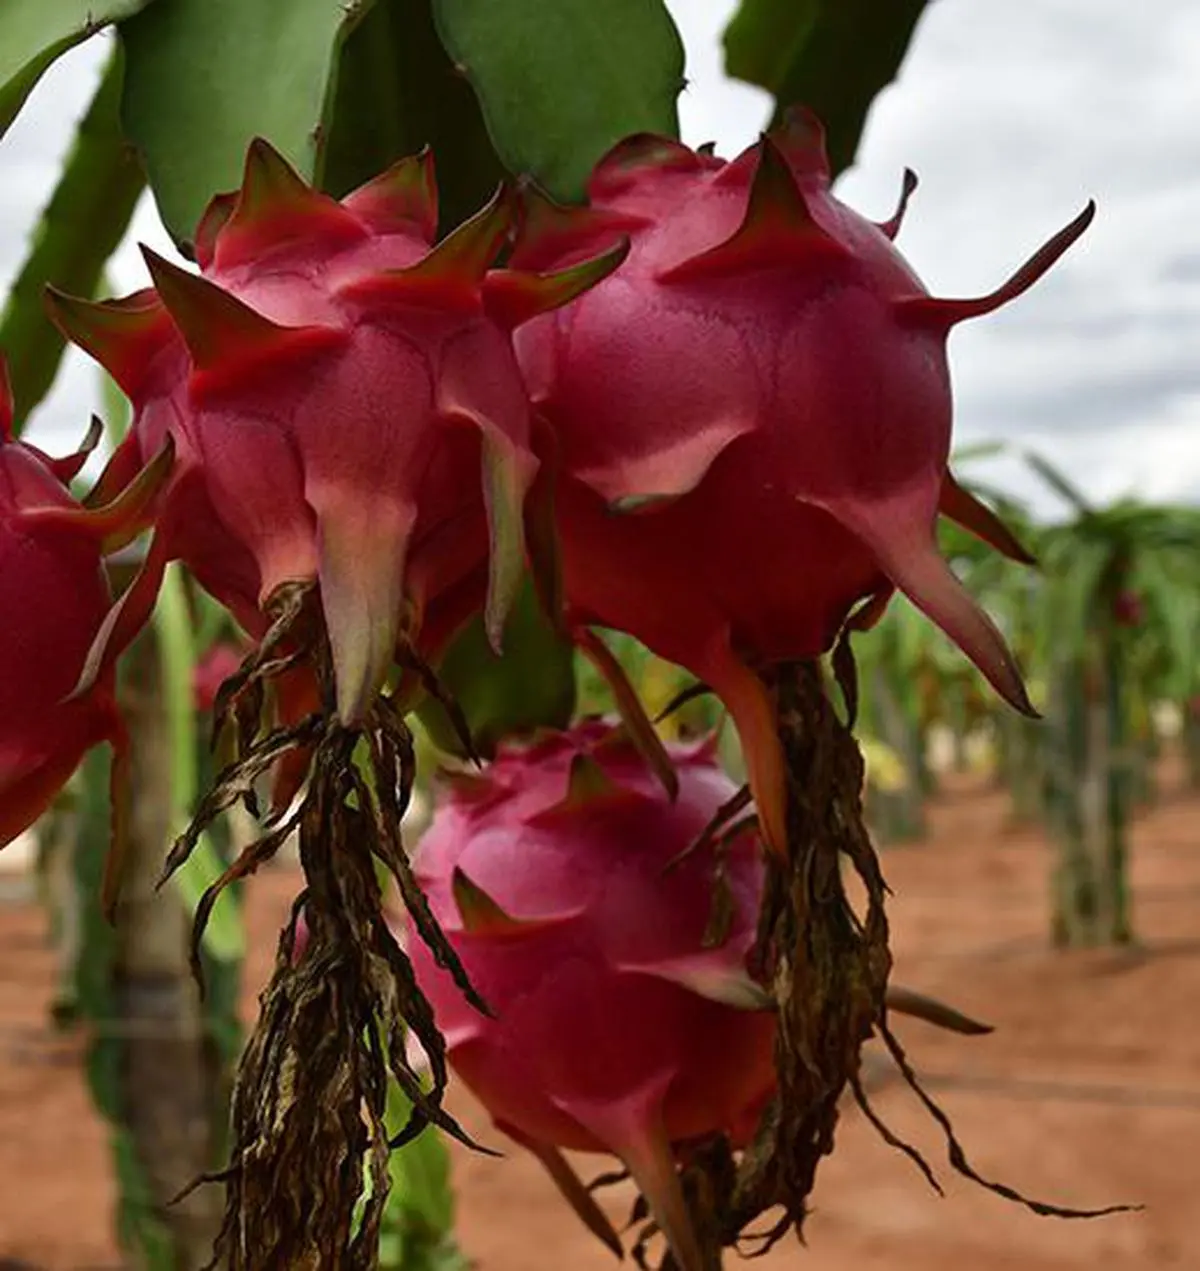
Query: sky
[[1013, 116]]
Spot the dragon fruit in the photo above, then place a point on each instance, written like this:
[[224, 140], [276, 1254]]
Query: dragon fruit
[[334, 387], [578, 896], [219, 662], [756, 410], [616, 1029], [138, 344], [53, 706], [1127, 608]]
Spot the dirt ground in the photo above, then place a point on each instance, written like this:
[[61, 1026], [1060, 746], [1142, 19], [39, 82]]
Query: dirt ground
[[1087, 1094]]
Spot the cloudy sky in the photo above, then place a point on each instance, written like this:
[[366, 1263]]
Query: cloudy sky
[[1013, 116]]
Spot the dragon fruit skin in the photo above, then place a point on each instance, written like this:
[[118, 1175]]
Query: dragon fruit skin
[[55, 592], [345, 403], [756, 409], [616, 1029], [136, 341], [216, 665], [1128, 609]]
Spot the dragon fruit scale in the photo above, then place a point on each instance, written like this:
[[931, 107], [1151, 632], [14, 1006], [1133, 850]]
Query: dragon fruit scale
[[136, 341], [615, 1029], [345, 403], [756, 410], [54, 592]]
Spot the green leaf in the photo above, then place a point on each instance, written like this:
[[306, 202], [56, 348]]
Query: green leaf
[[561, 83], [1175, 608], [397, 92], [764, 37], [418, 1220], [977, 450], [1059, 483], [834, 56], [79, 230], [33, 33], [531, 686], [173, 627], [118, 413], [205, 77], [1075, 574], [223, 937], [417, 1230]]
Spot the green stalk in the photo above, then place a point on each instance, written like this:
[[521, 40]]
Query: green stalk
[[223, 937], [1191, 741], [418, 1223], [896, 814], [1116, 853], [1004, 770], [1023, 746], [160, 1060], [223, 945], [154, 1071], [911, 743], [173, 626], [1073, 883], [139, 1228]]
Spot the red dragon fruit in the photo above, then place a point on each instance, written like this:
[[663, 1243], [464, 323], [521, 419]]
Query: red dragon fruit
[[616, 1026], [616, 1029], [345, 404], [752, 419], [54, 590], [140, 347], [212, 670], [1127, 608]]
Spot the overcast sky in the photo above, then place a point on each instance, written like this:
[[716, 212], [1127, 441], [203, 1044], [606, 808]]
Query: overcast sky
[[1013, 115]]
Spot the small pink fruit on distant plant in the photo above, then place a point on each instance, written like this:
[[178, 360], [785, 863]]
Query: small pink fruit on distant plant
[[213, 669], [1128, 610]]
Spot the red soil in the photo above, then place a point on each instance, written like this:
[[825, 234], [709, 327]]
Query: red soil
[[1087, 1094]]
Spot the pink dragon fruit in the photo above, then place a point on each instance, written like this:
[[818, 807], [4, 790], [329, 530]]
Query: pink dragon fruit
[[213, 669], [53, 706], [755, 410], [335, 389], [616, 1029], [136, 341], [1128, 609]]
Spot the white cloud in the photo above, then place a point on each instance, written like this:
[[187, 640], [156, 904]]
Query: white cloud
[[1013, 116], [712, 107]]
